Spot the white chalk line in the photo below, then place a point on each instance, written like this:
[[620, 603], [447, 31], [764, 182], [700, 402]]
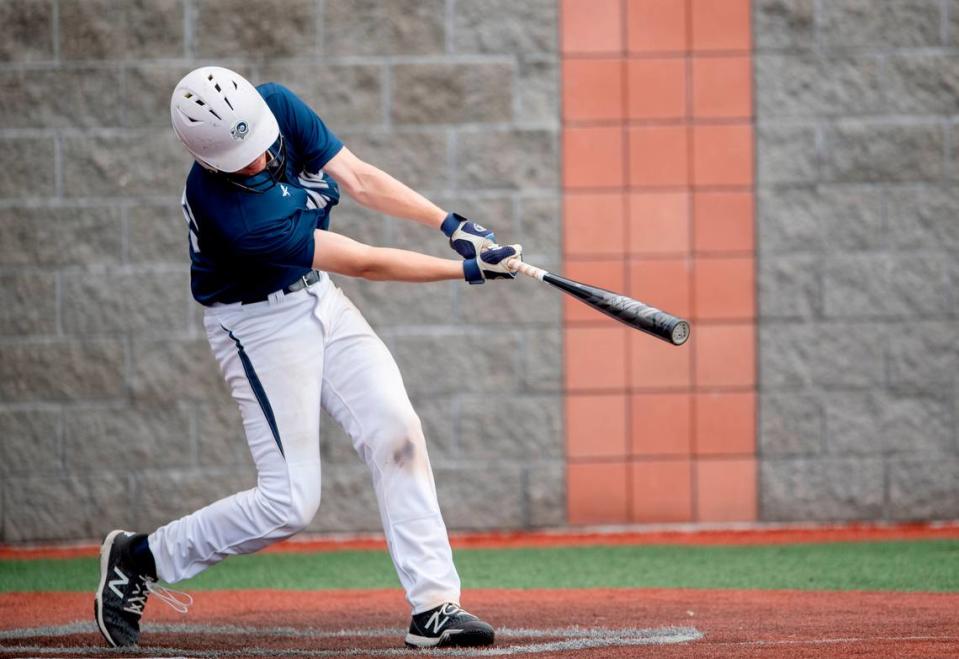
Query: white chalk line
[[573, 638]]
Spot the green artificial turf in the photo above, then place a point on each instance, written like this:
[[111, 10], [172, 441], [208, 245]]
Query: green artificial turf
[[930, 565]]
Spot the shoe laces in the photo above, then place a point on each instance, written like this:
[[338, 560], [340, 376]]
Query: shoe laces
[[145, 586], [175, 599]]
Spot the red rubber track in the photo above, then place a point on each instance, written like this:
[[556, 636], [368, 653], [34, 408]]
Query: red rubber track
[[567, 538]]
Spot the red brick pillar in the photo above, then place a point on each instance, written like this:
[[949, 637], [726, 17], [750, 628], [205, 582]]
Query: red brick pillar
[[658, 202]]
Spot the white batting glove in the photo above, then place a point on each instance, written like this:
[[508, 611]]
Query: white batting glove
[[492, 264]]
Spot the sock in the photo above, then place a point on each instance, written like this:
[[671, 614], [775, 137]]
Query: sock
[[140, 557]]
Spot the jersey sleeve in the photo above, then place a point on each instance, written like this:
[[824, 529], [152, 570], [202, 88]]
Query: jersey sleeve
[[286, 242], [301, 124]]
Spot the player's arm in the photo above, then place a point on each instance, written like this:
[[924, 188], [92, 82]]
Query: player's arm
[[375, 189], [337, 253]]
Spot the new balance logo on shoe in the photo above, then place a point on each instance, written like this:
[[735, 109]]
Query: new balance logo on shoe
[[448, 625], [117, 584]]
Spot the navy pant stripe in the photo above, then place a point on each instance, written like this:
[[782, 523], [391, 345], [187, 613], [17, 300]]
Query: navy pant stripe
[[258, 390]]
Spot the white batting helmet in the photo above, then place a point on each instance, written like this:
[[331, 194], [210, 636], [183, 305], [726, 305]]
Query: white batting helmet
[[221, 119]]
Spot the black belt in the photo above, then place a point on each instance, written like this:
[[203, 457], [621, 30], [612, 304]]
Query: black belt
[[305, 281]]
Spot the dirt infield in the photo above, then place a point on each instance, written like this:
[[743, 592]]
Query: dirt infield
[[555, 623]]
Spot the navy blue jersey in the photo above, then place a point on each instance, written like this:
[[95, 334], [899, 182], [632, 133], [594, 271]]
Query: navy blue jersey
[[246, 244]]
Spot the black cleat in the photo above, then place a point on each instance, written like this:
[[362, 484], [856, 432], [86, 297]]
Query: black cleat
[[448, 626], [122, 593]]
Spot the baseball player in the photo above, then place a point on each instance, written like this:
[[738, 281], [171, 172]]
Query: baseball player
[[257, 204]]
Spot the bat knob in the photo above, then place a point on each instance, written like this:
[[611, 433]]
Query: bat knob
[[680, 333]]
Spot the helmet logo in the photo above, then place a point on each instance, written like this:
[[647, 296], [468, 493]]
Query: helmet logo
[[240, 130]]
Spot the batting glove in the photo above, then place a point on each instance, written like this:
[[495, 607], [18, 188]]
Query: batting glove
[[467, 238], [491, 264]]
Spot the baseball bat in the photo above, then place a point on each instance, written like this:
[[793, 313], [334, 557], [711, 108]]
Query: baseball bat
[[625, 309]]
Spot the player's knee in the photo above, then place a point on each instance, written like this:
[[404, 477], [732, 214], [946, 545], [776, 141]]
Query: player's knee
[[398, 423], [291, 514], [301, 514]]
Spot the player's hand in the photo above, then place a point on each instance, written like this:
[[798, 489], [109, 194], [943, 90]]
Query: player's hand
[[491, 264], [467, 238]]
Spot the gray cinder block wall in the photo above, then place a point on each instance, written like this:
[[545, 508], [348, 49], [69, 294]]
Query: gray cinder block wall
[[112, 410], [858, 221]]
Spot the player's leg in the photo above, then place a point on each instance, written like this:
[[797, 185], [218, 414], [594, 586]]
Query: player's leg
[[272, 359], [364, 391]]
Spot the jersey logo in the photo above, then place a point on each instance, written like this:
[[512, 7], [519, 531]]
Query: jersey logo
[[286, 191]]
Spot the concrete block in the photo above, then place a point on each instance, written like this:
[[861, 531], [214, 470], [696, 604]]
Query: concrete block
[[60, 236], [920, 83], [168, 370], [31, 442], [820, 489], [121, 29], [274, 28], [871, 151], [848, 354], [786, 154], [822, 218], [26, 30], [501, 26], [515, 427], [513, 159], [481, 495], [146, 302], [149, 86], [790, 287], [220, 439], [923, 488], [510, 303], [342, 94], [158, 234], [45, 508], [787, 352], [541, 360], [784, 24], [370, 27], [29, 303], [539, 223], [124, 166], [922, 217], [440, 416], [27, 163], [445, 93], [164, 495], [347, 502], [394, 303], [807, 85], [464, 361], [537, 91], [130, 437], [856, 286], [546, 494], [62, 370], [877, 422], [77, 98], [790, 424], [856, 24], [922, 355], [418, 159]]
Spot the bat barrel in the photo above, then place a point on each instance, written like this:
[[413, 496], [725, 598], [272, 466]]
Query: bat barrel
[[626, 310]]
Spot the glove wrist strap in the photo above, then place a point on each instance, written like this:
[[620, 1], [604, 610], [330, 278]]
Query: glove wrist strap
[[450, 224], [472, 272]]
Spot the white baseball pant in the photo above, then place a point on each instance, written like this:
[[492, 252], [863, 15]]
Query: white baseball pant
[[283, 359]]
